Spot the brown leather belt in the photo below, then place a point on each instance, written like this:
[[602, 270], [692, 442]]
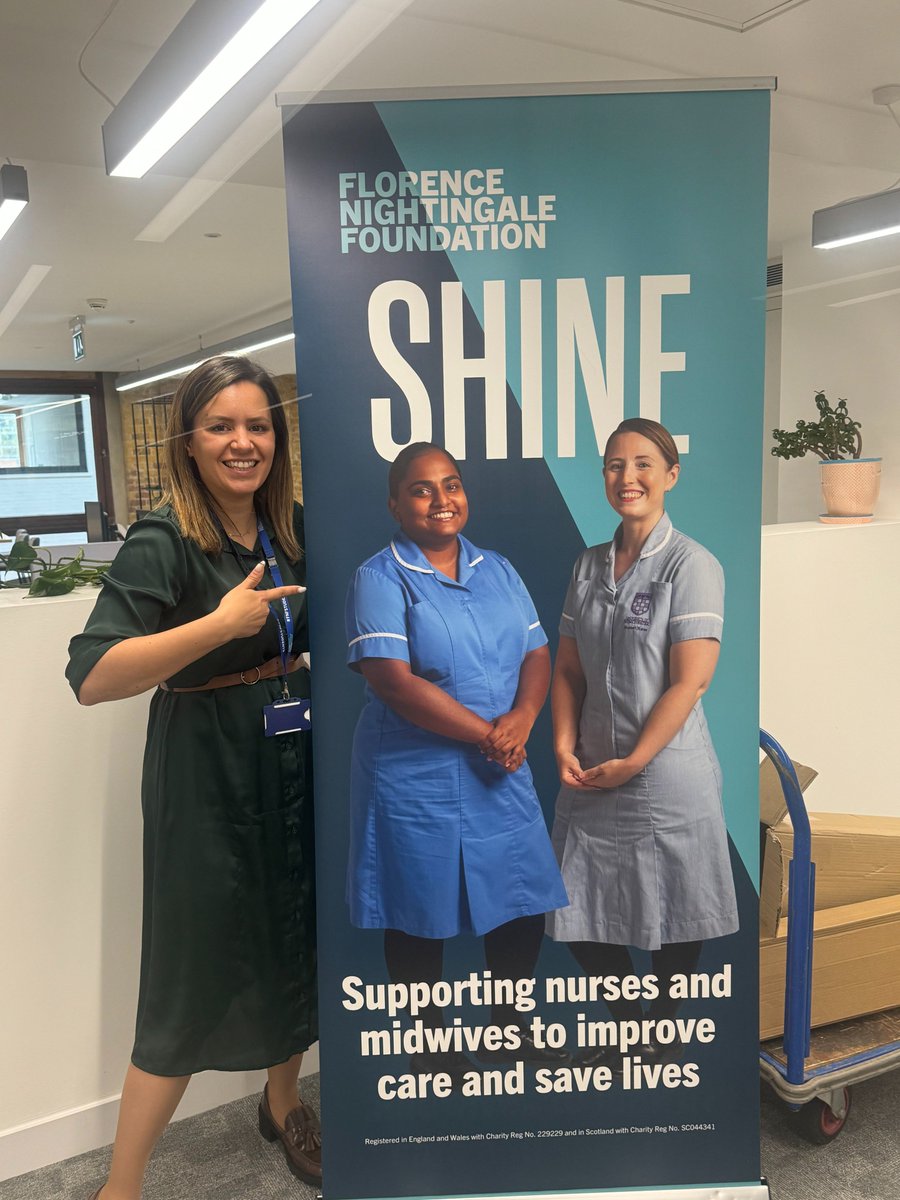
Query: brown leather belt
[[267, 670]]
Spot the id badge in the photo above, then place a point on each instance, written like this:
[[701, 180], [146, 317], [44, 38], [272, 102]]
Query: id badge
[[286, 716]]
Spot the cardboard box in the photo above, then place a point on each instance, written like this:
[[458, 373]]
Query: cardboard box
[[772, 806], [856, 965], [857, 858]]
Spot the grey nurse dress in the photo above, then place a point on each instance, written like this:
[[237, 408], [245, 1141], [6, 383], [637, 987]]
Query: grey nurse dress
[[647, 863], [228, 963]]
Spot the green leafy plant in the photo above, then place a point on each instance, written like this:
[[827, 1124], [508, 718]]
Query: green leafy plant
[[834, 437], [36, 570]]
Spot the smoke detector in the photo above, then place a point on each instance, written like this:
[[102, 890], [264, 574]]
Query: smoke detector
[[96, 303]]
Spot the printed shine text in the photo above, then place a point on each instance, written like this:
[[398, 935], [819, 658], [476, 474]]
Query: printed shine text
[[577, 351]]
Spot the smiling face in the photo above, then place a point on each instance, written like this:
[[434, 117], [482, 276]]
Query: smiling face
[[233, 443], [637, 477], [430, 504]]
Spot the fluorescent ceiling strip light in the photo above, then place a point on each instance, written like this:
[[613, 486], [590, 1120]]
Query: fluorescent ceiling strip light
[[9, 210], [268, 25], [860, 220], [184, 368], [13, 194], [274, 341], [262, 124], [858, 237], [356, 29]]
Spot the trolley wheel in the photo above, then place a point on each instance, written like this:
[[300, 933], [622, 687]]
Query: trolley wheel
[[818, 1122]]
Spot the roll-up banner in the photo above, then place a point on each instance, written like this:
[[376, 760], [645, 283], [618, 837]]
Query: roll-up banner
[[508, 277]]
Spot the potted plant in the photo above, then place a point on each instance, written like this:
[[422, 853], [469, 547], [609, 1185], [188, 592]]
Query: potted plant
[[849, 483]]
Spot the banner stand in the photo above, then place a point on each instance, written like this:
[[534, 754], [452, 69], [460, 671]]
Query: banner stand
[[505, 274], [742, 1191]]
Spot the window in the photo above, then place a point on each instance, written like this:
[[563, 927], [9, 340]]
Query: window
[[42, 433], [53, 456]]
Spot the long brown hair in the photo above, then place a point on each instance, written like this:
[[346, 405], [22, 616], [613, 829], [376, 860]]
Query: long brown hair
[[186, 491]]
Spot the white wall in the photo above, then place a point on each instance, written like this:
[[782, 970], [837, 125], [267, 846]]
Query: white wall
[[70, 897], [829, 651], [840, 322]]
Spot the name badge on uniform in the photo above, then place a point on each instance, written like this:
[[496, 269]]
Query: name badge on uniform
[[286, 716]]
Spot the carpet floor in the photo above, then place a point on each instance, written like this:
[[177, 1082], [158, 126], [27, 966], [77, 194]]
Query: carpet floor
[[219, 1155]]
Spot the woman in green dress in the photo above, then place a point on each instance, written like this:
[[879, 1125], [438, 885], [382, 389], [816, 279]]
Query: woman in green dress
[[188, 608]]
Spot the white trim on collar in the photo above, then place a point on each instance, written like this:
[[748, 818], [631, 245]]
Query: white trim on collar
[[476, 561], [409, 566], [662, 544]]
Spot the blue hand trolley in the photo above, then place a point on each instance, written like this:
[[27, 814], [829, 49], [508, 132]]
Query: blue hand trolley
[[812, 1071]]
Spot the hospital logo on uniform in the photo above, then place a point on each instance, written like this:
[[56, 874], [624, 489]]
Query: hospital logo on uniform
[[640, 607]]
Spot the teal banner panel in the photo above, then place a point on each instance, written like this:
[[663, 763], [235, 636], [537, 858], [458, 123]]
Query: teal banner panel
[[509, 278]]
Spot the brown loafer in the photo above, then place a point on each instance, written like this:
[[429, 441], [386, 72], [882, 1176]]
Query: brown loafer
[[301, 1139]]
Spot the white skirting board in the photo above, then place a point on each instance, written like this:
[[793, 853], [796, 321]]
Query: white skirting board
[[66, 1134]]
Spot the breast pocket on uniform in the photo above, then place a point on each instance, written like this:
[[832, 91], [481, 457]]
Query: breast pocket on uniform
[[660, 603], [430, 646], [649, 608]]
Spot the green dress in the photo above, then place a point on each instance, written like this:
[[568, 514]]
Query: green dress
[[228, 960]]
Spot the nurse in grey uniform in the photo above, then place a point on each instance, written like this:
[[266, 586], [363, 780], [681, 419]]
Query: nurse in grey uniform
[[639, 830]]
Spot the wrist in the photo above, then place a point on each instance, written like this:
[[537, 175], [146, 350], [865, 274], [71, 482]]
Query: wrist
[[213, 630], [527, 712]]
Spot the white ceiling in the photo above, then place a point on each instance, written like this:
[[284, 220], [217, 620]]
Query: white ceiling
[[143, 244]]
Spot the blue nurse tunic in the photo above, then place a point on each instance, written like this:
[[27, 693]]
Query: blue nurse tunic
[[443, 841], [647, 863]]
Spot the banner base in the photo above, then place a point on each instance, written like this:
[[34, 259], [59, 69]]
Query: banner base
[[719, 1191]]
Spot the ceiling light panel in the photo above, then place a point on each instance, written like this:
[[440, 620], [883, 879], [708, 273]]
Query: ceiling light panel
[[248, 343], [737, 15], [225, 39], [13, 194], [861, 220]]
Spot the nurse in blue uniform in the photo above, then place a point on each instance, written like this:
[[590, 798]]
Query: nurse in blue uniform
[[447, 834], [639, 830]]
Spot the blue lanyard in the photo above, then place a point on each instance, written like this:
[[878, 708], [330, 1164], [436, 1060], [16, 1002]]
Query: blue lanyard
[[285, 631]]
